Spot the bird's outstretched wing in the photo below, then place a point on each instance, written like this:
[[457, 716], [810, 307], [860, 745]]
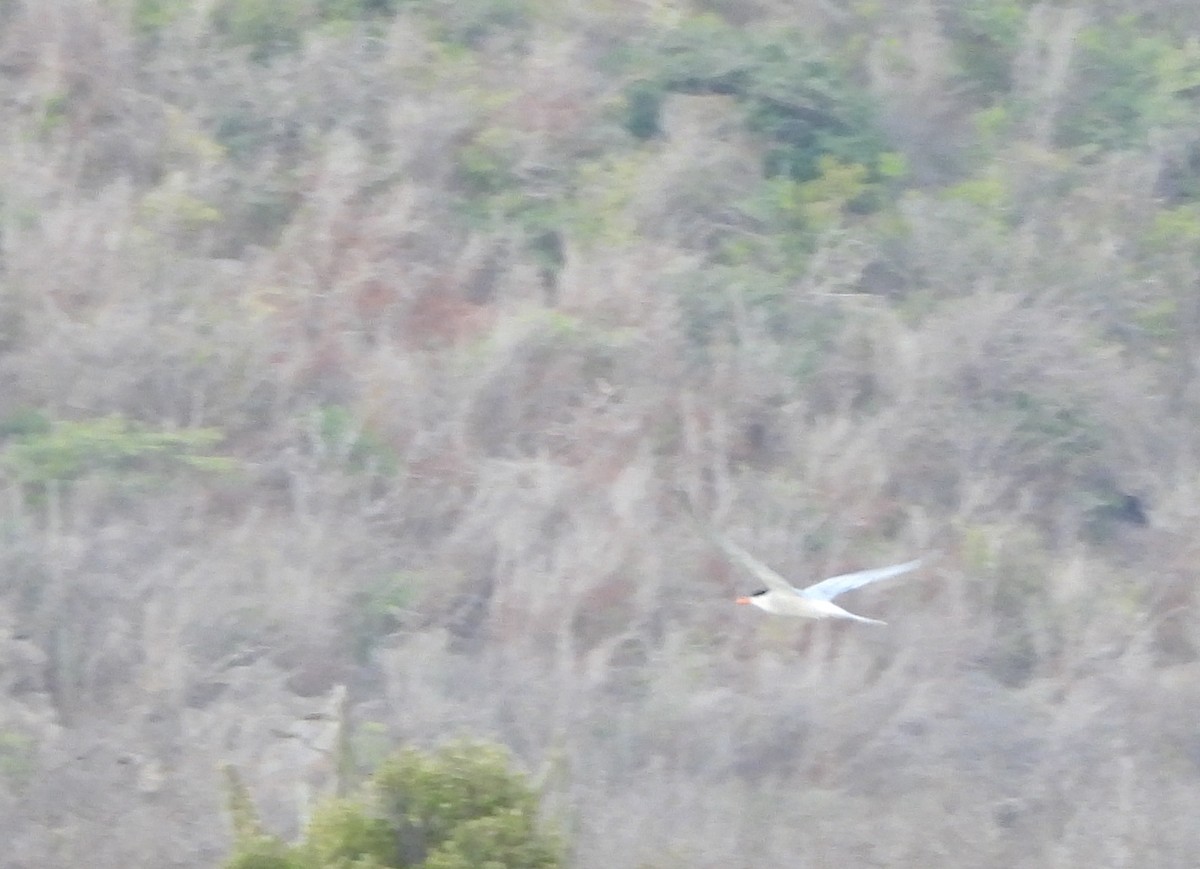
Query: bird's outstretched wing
[[766, 575], [828, 589]]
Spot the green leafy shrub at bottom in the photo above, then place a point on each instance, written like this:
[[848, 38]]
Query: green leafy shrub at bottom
[[461, 806]]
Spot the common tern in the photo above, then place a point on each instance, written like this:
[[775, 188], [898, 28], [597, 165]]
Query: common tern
[[813, 602]]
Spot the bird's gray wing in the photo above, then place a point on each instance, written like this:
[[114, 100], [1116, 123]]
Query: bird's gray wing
[[768, 577], [828, 589]]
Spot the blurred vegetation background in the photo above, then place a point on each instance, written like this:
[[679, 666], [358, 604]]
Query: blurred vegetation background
[[358, 359]]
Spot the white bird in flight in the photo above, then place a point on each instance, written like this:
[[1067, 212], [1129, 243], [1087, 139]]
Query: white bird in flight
[[815, 601]]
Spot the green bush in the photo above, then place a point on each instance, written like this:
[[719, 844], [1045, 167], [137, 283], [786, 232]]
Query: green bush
[[460, 807], [151, 16], [986, 35], [344, 833], [803, 327], [470, 24], [349, 10], [271, 26], [1127, 84], [374, 611], [643, 106], [825, 164], [339, 436], [266, 26], [42, 451], [265, 853], [496, 198], [18, 757], [793, 215], [804, 105]]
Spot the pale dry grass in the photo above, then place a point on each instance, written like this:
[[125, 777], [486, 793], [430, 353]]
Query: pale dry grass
[[467, 507]]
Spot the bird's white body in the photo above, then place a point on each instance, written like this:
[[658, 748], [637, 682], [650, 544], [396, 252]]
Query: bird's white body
[[815, 601], [803, 607]]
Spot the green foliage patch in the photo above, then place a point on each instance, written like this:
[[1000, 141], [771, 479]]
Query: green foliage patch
[[471, 24], [349, 10], [18, 761], [794, 96], [42, 451], [711, 303], [150, 17], [375, 610], [1128, 83], [986, 35], [461, 807], [270, 27], [499, 198], [345, 439], [792, 215]]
